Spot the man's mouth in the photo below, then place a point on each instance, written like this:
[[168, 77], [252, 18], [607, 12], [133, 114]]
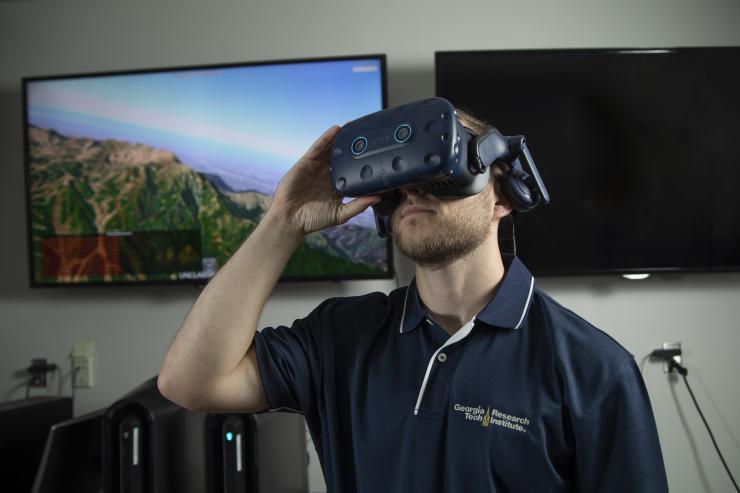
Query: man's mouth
[[413, 210]]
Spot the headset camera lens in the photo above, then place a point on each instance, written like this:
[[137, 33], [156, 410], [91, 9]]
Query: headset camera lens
[[403, 133], [359, 145]]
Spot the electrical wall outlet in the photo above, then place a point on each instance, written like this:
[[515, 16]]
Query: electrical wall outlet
[[82, 372], [677, 359], [82, 363]]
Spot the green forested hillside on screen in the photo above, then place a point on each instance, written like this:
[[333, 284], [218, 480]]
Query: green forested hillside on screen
[[82, 186]]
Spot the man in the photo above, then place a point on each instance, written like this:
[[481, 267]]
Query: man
[[469, 379]]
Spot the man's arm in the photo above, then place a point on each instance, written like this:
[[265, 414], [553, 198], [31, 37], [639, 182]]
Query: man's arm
[[617, 445], [206, 366], [211, 364]]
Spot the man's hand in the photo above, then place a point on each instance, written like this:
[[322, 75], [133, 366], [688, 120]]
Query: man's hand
[[305, 200]]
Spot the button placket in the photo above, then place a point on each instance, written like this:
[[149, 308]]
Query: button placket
[[441, 357]]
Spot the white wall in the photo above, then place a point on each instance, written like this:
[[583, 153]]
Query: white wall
[[132, 327]]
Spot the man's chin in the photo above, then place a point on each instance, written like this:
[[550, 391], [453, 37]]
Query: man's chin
[[415, 221], [414, 242]]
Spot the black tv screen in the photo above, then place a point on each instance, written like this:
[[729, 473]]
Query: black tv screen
[[638, 149], [159, 175]]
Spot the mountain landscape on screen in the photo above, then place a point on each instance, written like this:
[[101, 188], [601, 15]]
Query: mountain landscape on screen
[[112, 210]]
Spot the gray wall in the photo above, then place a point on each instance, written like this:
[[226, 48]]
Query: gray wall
[[132, 327]]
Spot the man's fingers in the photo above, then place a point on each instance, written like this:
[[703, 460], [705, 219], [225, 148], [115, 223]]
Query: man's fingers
[[351, 209], [322, 143]]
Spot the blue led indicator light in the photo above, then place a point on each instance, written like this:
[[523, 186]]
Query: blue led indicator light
[[229, 436]]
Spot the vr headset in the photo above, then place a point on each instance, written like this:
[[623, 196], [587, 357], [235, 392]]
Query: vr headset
[[423, 144]]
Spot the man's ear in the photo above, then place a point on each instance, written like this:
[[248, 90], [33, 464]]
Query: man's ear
[[501, 208]]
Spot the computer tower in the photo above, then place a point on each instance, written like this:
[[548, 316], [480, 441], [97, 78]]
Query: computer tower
[[230, 453], [139, 433], [151, 445], [256, 453], [282, 458], [24, 427]]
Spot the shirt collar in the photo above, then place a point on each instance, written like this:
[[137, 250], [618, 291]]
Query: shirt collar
[[506, 309]]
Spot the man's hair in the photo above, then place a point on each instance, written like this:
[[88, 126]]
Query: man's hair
[[471, 122]]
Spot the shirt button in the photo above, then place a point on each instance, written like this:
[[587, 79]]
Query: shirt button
[[441, 357]]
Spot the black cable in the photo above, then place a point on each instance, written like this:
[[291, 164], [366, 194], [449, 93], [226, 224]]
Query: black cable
[[711, 435], [668, 355], [59, 381]]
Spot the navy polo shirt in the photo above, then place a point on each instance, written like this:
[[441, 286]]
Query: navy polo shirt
[[526, 397]]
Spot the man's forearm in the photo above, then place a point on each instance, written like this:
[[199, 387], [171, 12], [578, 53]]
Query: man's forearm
[[221, 324]]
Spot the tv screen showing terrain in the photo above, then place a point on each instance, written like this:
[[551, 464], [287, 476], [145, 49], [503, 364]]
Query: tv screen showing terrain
[[160, 175]]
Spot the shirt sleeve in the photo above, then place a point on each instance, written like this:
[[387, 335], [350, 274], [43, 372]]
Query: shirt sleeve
[[617, 446], [289, 360]]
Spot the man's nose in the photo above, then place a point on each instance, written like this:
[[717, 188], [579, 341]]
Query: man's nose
[[411, 191]]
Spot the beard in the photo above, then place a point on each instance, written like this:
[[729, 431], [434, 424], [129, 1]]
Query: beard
[[444, 239]]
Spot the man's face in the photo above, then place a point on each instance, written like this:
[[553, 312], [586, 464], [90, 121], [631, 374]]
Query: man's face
[[435, 231]]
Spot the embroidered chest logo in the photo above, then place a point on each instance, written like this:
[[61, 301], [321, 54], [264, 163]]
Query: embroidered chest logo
[[492, 417]]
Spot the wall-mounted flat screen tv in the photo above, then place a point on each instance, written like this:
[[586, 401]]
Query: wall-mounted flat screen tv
[[159, 175], [638, 149]]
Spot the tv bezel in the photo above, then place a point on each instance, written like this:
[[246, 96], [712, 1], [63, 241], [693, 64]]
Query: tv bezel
[[380, 57], [601, 51]]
